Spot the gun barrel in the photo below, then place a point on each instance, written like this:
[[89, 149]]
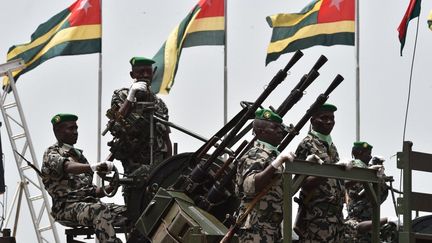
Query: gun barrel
[[321, 99], [277, 79]]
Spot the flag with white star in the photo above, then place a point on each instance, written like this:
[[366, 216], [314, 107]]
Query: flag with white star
[[204, 25], [322, 22], [74, 31]]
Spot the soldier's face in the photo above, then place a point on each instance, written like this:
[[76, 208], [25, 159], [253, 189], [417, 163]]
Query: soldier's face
[[67, 132], [274, 133], [323, 122], [364, 155], [142, 73]]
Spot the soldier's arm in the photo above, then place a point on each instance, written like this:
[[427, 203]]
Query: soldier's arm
[[73, 167], [264, 177], [303, 150]]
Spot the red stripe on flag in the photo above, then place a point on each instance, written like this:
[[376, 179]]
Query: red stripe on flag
[[403, 26], [85, 12], [336, 10], [211, 8]]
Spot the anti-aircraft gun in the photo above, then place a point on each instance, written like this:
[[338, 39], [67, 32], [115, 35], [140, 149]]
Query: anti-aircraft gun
[[189, 195]]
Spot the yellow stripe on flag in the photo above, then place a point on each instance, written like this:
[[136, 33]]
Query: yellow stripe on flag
[[83, 32], [288, 20], [312, 30], [207, 24], [42, 39]]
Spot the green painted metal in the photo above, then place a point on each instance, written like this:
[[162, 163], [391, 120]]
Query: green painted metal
[[302, 168], [410, 161], [172, 216]]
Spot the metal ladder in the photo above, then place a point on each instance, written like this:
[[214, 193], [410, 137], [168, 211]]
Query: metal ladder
[[30, 183]]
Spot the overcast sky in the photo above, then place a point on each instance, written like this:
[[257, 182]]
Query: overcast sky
[[130, 28]]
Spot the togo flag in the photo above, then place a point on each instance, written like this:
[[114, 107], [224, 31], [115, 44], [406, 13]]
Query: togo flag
[[74, 31], [322, 22], [204, 25]]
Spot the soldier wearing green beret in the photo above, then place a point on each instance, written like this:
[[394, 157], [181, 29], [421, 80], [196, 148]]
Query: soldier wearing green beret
[[139, 141], [68, 176], [321, 200], [358, 206], [257, 168]]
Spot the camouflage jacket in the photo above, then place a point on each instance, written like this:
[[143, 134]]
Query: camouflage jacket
[[132, 133], [66, 187], [359, 206], [267, 213], [333, 190]]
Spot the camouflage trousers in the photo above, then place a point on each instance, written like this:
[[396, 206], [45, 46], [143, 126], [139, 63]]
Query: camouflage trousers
[[260, 235], [320, 230], [101, 216]]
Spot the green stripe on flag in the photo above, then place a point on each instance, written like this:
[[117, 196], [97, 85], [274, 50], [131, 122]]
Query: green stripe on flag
[[65, 49], [56, 37], [346, 38], [207, 29], [319, 23], [280, 33], [204, 38]]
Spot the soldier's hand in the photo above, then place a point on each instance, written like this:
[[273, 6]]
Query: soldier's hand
[[102, 167], [314, 158], [348, 164], [377, 160], [137, 86], [281, 158], [379, 168]]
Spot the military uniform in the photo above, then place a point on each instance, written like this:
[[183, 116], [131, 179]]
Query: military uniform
[[320, 216], [263, 224], [131, 137], [74, 195], [132, 133], [359, 207]]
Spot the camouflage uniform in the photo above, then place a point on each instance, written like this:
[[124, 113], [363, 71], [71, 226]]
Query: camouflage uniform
[[74, 195], [359, 206], [132, 133], [130, 144], [263, 224], [320, 216]]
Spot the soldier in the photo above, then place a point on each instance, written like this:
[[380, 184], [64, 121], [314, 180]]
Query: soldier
[[260, 166], [139, 141], [358, 205], [320, 218], [68, 177]]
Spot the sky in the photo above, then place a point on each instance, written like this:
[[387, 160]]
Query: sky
[[139, 28]]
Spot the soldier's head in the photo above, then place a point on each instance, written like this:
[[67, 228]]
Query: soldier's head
[[323, 119], [268, 127], [362, 151], [142, 69], [65, 128]]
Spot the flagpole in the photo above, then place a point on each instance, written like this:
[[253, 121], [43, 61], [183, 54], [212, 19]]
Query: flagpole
[[357, 43], [225, 90], [99, 112]]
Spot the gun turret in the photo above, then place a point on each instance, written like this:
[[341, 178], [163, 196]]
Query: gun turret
[[199, 174]]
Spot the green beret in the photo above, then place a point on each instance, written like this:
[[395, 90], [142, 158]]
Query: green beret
[[360, 144], [327, 107], [266, 114], [59, 118], [134, 61]]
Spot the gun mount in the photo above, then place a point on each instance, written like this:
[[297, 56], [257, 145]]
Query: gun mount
[[185, 193]]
